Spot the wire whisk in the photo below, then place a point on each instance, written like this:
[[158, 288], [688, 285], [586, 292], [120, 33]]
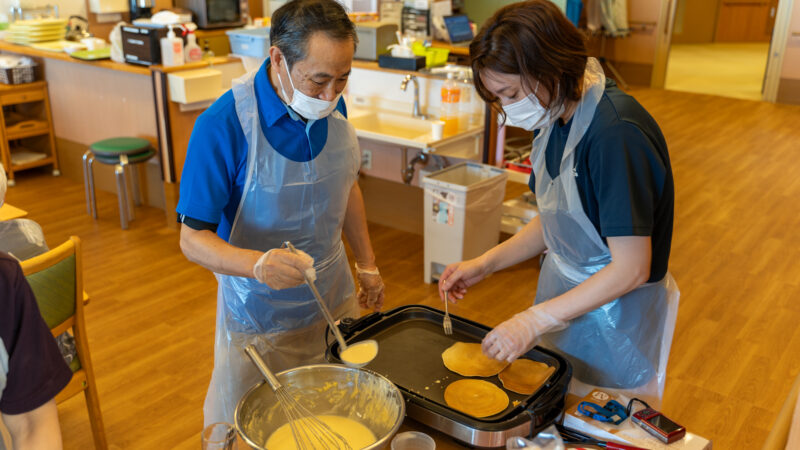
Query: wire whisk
[[308, 431]]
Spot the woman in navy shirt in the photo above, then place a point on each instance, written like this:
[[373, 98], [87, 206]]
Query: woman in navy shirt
[[603, 184]]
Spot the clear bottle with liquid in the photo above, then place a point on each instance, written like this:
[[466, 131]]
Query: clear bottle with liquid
[[451, 97], [171, 49]]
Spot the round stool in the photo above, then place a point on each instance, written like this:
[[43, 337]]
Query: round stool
[[122, 153]]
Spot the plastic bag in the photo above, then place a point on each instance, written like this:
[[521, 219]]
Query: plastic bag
[[115, 37], [547, 439]]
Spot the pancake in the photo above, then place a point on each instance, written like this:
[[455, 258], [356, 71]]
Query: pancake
[[468, 360], [477, 398], [524, 376]]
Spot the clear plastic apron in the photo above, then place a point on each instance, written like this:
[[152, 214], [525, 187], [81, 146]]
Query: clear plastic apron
[[283, 200], [624, 344]]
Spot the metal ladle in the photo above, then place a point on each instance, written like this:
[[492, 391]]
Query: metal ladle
[[329, 318]]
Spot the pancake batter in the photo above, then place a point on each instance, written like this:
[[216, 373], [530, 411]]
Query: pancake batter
[[360, 353], [357, 435]]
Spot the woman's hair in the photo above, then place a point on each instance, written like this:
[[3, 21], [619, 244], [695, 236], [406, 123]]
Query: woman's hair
[[535, 40]]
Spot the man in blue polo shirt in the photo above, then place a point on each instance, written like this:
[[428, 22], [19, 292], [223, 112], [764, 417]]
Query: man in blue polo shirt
[[275, 160]]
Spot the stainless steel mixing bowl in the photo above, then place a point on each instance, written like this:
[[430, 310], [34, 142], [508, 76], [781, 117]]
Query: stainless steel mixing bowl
[[334, 389]]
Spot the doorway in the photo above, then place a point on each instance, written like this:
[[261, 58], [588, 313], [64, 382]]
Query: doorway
[[721, 47]]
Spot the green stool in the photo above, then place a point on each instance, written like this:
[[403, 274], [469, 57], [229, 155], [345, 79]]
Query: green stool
[[123, 153]]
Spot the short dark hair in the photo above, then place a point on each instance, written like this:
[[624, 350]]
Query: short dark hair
[[535, 40], [295, 22]]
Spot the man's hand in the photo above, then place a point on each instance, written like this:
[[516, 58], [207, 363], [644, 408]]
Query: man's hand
[[282, 269]]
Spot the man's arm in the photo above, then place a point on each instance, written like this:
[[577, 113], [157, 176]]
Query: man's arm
[[370, 283], [205, 248], [37, 429], [277, 268], [355, 228]]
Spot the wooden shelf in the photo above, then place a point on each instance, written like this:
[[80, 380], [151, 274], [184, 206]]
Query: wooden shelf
[[21, 119], [26, 129]]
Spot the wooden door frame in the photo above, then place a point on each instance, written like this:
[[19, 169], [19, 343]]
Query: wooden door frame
[[666, 21], [777, 48]]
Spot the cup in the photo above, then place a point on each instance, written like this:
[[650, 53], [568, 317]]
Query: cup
[[437, 130], [413, 440], [219, 436]]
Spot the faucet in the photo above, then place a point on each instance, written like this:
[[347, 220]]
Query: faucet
[[407, 173], [415, 112]]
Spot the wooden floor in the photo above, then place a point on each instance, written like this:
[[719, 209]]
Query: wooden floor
[[735, 255]]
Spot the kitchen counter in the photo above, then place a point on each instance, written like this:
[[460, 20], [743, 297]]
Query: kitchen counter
[[106, 63]]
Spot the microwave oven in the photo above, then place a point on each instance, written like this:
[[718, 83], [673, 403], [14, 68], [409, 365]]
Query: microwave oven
[[216, 13]]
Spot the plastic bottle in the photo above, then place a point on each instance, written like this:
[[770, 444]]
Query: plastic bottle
[[466, 106], [192, 52], [171, 49], [451, 95]]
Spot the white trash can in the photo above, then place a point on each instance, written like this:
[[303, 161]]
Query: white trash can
[[463, 210]]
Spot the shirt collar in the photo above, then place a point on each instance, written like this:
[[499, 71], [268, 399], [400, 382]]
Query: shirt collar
[[270, 106]]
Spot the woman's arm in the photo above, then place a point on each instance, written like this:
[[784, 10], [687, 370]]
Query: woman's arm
[[526, 244], [629, 268]]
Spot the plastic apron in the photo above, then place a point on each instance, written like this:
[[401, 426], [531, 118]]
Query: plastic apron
[[624, 344], [302, 202]]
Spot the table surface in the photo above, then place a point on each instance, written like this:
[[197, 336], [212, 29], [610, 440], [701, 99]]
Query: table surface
[[8, 212]]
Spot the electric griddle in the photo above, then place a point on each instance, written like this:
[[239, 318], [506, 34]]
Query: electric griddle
[[411, 342]]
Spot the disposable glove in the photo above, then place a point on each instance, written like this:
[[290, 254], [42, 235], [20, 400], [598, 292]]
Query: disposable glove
[[518, 334], [281, 269], [370, 288]]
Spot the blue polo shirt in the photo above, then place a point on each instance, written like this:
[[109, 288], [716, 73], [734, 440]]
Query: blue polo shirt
[[215, 169], [624, 175]]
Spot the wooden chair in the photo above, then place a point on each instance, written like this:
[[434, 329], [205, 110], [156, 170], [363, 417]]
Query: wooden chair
[[781, 431], [56, 278]]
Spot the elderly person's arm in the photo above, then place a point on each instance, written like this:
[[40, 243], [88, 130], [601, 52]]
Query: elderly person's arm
[[36, 429]]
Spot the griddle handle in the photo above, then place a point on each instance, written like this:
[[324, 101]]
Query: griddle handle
[[349, 326]]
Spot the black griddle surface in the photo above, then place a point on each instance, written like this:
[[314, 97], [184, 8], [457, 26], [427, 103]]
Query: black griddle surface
[[411, 342]]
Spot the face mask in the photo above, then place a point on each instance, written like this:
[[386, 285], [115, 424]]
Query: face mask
[[529, 114], [308, 107]]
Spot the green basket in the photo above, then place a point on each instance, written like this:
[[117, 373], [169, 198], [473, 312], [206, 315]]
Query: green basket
[[434, 56]]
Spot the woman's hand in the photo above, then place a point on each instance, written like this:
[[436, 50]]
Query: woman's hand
[[457, 277], [519, 334]]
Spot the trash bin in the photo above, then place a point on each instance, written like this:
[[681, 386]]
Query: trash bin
[[463, 209]]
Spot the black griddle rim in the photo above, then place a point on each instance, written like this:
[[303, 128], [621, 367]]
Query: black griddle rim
[[541, 401]]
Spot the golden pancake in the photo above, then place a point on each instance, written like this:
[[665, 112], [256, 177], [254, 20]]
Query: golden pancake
[[524, 376], [477, 398], [468, 360]]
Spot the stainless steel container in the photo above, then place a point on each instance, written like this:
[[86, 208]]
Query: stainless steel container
[[333, 389]]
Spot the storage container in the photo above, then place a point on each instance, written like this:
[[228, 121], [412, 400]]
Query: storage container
[[463, 209], [192, 86], [18, 75], [250, 42]]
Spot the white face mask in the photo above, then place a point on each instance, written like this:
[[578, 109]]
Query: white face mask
[[529, 114], [308, 107]]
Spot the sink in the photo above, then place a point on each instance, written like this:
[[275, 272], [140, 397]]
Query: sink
[[392, 125], [401, 129]]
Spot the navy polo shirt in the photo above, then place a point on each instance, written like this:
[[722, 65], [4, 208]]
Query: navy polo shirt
[[215, 169], [624, 175]]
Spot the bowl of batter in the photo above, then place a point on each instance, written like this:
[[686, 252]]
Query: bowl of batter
[[362, 406]]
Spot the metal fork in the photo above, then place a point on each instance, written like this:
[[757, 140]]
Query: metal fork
[[447, 324]]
